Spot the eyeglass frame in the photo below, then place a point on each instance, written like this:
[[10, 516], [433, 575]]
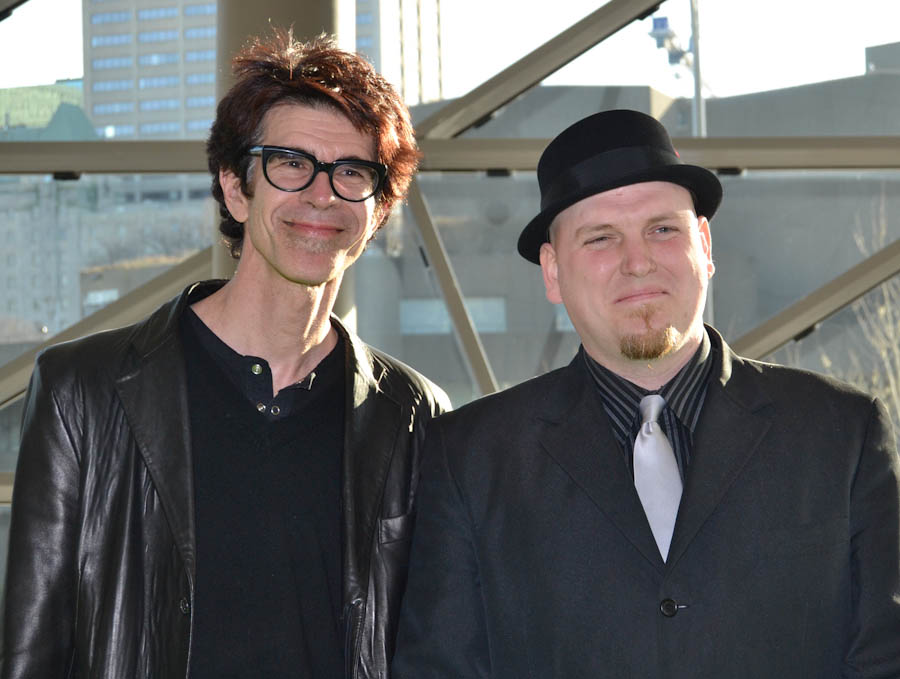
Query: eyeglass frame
[[265, 150]]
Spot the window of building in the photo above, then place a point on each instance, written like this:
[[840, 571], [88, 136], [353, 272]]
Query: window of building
[[158, 58], [198, 33], [199, 125], [205, 9], [364, 18], [160, 104], [157, 36], [200, 102], [112, 107], [112, 131], [157, 13], [110, 17], [111, 40], [112, 62], [158, 81], [112, 85], [167, 127], [200, 55], [364, 42], [200, 78]]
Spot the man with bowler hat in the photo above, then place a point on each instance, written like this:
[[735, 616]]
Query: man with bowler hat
[[660, 507]]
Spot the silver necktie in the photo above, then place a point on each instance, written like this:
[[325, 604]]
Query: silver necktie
[[656, 476]]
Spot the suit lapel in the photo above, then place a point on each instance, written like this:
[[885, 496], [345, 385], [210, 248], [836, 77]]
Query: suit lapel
[[154, 397], [574, 430], [728, 434]]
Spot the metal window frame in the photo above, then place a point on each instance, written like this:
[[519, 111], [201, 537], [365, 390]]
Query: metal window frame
[[444, 151]]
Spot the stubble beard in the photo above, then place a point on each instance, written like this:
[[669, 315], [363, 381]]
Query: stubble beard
[[651, 344]]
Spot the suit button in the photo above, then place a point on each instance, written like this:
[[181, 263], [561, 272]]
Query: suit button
[[668, 608], [184, 606]]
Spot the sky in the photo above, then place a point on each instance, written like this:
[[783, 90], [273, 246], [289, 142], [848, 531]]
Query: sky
[[745, 45]]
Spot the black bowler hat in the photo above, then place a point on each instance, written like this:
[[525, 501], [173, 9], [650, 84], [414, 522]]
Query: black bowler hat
[[605, 151]]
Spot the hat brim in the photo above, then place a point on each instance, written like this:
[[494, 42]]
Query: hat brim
[[702, 183]]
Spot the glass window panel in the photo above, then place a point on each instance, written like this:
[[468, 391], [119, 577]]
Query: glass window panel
[[111, 40], [112, 62], [10, 422], [200, 33], [169, 127], [860, 344], [159, 58], [205, 9], [781, 235], [157, 36], [110, 17], [4, 542], [479, 218], [81, 244], [113, 85], [397, 298], [199, 55], [158, 81], [157, 13], [200, 78], [160, 104], [113, 107]]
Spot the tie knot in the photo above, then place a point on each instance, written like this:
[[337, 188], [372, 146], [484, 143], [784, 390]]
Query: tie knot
[[651, 407]]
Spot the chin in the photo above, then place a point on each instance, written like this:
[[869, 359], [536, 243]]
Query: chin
[[650, 345]]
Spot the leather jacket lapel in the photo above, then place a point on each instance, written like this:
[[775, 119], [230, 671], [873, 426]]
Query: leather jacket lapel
[[372, 426], [154, 397]]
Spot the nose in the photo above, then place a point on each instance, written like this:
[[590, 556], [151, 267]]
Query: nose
[[637, 259], [319, 193]]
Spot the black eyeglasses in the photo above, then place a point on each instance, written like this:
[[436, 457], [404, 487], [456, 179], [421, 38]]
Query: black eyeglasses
[[292, 170]]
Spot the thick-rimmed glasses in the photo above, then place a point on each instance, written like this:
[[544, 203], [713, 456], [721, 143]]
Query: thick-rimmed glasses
[[292, 170]]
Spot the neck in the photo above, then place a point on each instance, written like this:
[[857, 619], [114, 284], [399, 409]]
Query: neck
[[285, 323], [654, 373]]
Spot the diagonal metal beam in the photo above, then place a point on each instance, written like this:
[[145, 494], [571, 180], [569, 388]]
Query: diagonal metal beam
[[461, 114], [802, 316], [472, 348], [131, 308]]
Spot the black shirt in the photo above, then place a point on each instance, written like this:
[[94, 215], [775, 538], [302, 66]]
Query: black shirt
[[267, 475], [684, 395]]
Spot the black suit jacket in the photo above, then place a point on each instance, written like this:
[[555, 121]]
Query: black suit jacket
[[533, 558]]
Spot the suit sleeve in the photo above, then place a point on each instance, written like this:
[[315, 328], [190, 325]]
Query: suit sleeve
[[38, 613], [874, 647], [442, 630]]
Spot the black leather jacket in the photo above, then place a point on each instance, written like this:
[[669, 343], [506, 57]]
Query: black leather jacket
[[100, 577]]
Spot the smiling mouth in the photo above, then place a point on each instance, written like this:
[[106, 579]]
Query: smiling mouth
[[323, 229], [640, 296]]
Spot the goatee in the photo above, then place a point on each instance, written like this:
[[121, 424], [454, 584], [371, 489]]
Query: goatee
[[649, 345]]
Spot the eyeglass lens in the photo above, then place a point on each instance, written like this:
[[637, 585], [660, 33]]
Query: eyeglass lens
[[292, 171]]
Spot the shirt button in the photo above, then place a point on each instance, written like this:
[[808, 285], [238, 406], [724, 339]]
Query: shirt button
[[261, 407], [668, 608], [256, 368], [275, 410], [184, 606]]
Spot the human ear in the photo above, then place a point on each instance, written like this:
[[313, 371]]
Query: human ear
[[550, 270], [237, 203]]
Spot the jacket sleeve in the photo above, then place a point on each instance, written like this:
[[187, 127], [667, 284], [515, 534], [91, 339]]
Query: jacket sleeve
[[39, 609], [873, 650], [442, 629]]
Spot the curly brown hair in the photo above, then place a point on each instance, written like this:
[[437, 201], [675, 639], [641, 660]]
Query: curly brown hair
[[317, 73]]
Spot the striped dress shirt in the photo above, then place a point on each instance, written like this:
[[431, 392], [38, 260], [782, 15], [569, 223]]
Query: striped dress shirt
[[684, 395]]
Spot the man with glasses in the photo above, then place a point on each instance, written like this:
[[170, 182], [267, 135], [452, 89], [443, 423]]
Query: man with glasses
[[226, 488]]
